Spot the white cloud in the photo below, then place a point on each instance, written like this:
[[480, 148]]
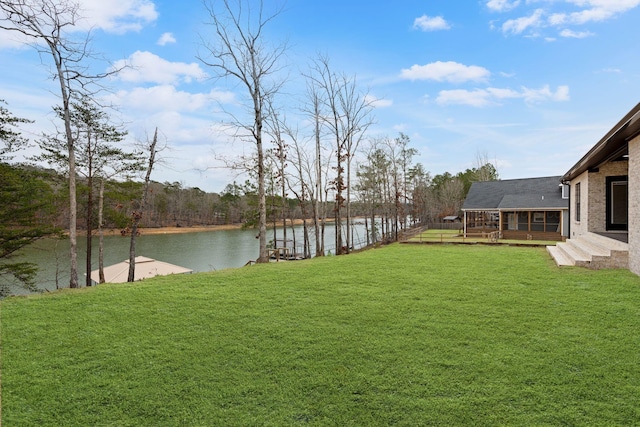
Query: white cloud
[[166, 38], [575, 34], [377, 102], [430, 23], [475, 98], [517, 26], [148, 67], [118, 16], [168, 98], [446, 71], [114, 16], [493, 96], [589, 11], [539, 95], [595, 11], [502, 5], [14, 40], [557, 19]]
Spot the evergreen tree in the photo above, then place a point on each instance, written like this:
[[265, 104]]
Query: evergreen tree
[[10, 138], [26, 209]]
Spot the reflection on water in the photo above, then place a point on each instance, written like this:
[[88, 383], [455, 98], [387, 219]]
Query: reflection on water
[[199, 251]]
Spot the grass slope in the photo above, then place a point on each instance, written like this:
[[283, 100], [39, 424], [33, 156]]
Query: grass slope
[[403, 335]]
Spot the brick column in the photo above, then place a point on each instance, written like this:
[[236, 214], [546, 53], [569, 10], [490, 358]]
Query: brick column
[[634, 205]]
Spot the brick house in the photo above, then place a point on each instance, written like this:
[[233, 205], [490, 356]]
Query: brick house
[[604, 202]]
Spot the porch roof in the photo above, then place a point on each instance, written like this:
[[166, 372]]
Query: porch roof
[[612, 146], [532, 201], [527, 193]]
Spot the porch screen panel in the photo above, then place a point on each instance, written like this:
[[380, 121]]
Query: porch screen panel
[[537, 221], [509, 220], [552, 220], [523, 221]]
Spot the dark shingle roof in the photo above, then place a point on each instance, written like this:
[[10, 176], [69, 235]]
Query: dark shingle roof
[[527, 193]]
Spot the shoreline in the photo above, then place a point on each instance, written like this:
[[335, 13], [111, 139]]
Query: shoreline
[[180, 230], [192, 229], [171, 230]]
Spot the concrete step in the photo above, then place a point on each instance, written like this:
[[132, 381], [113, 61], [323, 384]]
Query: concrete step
[[577, 256], [560, 258], [605, 242], [588, 247], [593, 251]]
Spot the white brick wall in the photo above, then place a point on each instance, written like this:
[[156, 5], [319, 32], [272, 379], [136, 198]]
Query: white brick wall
[[579, 228], [593, 197], [598, 193], [634, 205]]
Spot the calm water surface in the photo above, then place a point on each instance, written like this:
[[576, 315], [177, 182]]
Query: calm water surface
[[199, 251]]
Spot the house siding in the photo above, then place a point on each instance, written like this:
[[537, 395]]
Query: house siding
[[580, 227], [597, 210], [593, 188], [634, 205]]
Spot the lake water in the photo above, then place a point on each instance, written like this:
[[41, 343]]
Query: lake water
[[199, 251]]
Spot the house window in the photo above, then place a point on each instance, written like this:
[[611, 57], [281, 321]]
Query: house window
[[565, 191], [577, 197]]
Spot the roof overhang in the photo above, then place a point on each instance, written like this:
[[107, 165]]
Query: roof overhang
[[612, 146]]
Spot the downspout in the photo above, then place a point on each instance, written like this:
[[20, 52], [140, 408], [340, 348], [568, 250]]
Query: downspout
[[568, 184]]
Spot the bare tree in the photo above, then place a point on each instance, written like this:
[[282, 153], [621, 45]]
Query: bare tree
[[302, 183], [370, 177], [275, 124], [347, 115], [137, 213], [420, 182], [486, 170], [313, 109], [357, 117], [239, 51], [47, 23], [399, 154]]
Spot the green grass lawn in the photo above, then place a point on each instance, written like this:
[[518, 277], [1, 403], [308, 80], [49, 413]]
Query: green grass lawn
[[402, 335]]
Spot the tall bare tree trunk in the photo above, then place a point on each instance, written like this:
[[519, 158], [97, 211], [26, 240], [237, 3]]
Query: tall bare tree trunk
[[101, 232], [239, 52], [89, 229], [262, 199], [348, 213], [73, 209], [137, 214], [318, 199]]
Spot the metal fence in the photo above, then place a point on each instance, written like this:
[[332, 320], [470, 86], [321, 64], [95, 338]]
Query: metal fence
[[445, 226]]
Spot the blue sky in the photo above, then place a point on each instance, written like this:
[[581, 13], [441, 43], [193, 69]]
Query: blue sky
[[531, 84]]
